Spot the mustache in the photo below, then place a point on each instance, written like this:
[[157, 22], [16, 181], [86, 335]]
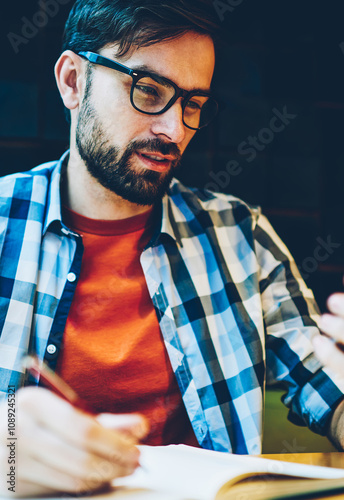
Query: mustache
[[156, 146]]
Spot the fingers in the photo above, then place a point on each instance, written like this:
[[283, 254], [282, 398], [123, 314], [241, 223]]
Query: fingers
[[61, 448], [45, 449], [43, 477], [328, 350], [78, 429], [335, 304], [329, 354], [28, 489], [134, 424], [333, 326]]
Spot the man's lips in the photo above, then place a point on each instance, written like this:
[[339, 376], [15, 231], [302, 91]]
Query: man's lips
[[156, 161]]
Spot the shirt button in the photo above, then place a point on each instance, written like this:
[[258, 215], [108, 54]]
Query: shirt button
[[71, 277], [51, 349]]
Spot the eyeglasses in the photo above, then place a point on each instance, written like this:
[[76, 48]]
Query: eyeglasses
[[153, 95]]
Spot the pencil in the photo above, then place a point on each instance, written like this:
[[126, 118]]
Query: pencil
[[52, 381]]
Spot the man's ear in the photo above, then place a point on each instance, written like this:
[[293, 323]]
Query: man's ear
[[69, 75]]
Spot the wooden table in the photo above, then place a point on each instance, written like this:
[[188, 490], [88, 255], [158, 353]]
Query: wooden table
[[333, 459]]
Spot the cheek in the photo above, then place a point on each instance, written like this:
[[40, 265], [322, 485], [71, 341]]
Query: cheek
[[111, 106], [109, 96], [188, 136], [114, 110]]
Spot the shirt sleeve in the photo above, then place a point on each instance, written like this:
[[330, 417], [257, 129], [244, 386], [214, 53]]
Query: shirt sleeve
[[290, 319]]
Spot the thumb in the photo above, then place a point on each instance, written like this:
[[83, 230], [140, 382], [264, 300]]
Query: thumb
[[132, 423]]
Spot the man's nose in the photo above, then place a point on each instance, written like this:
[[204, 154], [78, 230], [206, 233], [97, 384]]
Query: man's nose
[[170, 124]]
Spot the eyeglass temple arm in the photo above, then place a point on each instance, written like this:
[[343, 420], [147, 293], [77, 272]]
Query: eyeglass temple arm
[[103, 61]]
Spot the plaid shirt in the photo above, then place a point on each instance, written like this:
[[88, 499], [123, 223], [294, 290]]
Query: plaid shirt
[[232, 308]]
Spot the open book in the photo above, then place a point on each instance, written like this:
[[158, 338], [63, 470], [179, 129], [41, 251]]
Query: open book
[[180, 472]]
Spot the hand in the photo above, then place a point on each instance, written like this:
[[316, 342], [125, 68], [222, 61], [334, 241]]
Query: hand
[[60, 448], [329, 350]]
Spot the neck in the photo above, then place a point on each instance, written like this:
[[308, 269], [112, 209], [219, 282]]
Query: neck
[[83, 194]]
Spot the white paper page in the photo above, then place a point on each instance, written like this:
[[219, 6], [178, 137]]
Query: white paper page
[[180, 472], [194, 473]]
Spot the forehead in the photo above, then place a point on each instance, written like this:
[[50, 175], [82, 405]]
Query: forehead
[[189, 60]]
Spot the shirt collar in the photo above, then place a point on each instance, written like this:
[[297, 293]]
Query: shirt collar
[[168, 223], [53, 213]]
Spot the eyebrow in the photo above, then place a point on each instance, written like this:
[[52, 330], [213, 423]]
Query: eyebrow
[[147, 69]]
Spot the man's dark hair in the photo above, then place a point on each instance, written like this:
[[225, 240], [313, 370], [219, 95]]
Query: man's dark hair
[[92, 24]]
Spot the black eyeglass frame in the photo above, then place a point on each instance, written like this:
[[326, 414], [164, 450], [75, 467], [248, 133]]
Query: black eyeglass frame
[[137, 75]]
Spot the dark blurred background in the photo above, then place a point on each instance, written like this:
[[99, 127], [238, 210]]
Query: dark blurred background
[[278, 143]]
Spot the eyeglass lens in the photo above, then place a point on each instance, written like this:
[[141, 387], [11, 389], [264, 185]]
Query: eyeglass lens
[[151, 96]]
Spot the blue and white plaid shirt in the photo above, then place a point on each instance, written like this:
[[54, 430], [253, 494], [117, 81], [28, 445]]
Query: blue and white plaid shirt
[[233, 310]]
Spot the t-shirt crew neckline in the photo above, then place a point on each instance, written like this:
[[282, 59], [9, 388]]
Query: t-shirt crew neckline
[[102, 227]]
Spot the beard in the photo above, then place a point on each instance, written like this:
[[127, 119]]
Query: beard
[[114, 170]]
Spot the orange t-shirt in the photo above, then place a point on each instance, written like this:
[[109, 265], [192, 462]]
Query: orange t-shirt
[[113, 353]]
